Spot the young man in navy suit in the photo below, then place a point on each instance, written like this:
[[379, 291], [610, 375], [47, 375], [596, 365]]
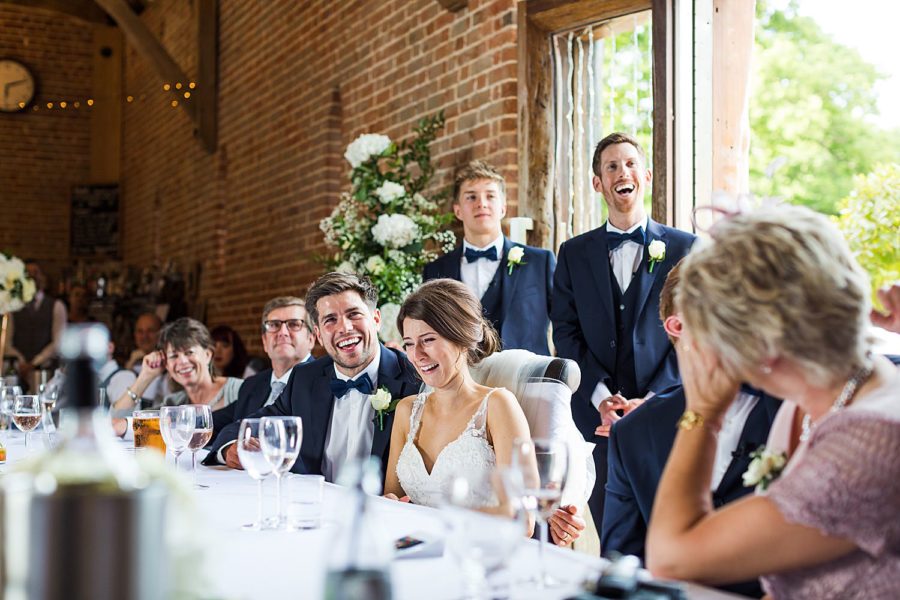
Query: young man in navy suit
[[332, 395], [639, 446], [287, 340], [513, 281], [606, 298]]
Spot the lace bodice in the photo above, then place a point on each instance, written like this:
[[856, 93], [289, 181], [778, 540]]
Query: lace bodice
[[469, 456]]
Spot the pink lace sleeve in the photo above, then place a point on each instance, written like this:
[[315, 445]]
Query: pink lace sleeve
[[847, 483]]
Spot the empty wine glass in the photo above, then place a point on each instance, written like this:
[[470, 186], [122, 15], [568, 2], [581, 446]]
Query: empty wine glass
[[8, 395], [27, 414], [203, 430], [543, 464], [255, 463], [281, 438], [176, 424]]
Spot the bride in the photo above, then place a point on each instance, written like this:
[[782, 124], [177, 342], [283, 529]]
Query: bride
[[460, 428]]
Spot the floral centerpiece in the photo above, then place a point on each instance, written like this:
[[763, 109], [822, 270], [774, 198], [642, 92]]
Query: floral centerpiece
[[16, 287], [386, 227]]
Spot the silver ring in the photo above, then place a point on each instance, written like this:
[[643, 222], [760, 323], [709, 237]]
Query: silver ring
[[565, 536]]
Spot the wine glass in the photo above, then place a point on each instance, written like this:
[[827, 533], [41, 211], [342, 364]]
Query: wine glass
[[8, 395], [482, 542], [203, 430], [255, 463], [176, 424], [543, 465], [27, 414], [281, 438]]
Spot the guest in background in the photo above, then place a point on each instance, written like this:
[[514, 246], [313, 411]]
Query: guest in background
[[187, 357], [230, 355], [512, 281], [146, 337], [332, 394], [606, 300], [114, 379], [287, 339], [778, 301], [35, 330], [639, 446], [79, 304]]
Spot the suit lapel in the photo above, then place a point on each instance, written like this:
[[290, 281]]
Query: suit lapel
[[321, 407], [389, 376], [454, 260], [645, 278], [754, 435], [512, 280], [598, 261]]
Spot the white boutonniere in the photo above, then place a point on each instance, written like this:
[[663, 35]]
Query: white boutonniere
[[765, 468], [514, 257], [657, 251], [383, 403]]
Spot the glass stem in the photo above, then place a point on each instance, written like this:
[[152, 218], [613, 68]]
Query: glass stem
[[259, 503], [543, 567], [278, 495], [194, 467]]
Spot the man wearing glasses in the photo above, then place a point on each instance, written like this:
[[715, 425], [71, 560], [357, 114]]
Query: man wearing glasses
[[287, 340]]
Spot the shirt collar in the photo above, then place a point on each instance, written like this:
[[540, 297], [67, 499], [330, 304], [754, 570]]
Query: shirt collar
[[283, 379], [371, 370], [645, 222], [497, 243]]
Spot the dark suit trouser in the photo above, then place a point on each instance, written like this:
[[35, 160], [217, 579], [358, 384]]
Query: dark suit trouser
[[595, 502]]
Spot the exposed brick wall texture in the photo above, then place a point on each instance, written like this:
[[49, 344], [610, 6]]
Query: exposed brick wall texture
[[45, 152]]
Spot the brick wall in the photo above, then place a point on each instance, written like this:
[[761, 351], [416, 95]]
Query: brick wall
[[44, 152], [298, 81]]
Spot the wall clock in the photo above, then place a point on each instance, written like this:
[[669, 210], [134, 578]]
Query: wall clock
[[16, 85]]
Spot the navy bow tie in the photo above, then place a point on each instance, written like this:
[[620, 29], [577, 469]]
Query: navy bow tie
[[613, 239], [750, 391], [472, 254], [339, 387]]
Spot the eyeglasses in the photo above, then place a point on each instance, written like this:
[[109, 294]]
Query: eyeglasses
[[274, 325]]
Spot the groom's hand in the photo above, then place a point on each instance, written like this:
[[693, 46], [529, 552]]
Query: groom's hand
[[608, 415], [566, 525], [232, 460]]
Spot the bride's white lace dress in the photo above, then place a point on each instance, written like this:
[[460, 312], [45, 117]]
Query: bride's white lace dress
[[469, 456]]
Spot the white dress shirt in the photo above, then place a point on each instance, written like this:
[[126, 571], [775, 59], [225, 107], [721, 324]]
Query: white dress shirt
[[624, 261], [730, 434], [352, 426], [479, 274]]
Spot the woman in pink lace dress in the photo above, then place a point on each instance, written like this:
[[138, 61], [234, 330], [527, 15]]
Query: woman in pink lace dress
[[777, 300]]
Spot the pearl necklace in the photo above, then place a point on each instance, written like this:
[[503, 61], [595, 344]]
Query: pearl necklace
[[847, 393]]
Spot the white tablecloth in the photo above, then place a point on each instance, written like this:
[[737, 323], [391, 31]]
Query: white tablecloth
[[250, 564]]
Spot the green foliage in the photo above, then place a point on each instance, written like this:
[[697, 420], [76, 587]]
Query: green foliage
[[810, 100], [870, 221], [385, 227]]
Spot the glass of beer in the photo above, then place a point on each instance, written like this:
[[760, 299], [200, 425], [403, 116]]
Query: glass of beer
[[145, 424]]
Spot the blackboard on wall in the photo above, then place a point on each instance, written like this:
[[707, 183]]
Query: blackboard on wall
[[95, 221]]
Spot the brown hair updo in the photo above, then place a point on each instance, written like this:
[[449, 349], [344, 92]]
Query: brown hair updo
[[455, 314]]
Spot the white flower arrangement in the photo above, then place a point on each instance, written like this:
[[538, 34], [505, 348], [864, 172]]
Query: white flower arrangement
[[657, 252], [765, 468], [16, 287], [395, 231], [365, 147], [386, 226], [514, 257]]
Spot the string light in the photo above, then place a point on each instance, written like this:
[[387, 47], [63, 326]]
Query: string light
[[178, 86], [21, 105], [77, 104], [49, 105], [166, 87], [192, 85], [63, 104], [90, 101], [174, 103], [187, 95], [129, 99]]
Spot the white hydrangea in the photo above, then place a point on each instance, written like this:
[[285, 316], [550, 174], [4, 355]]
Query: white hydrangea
[[346, 267], [16, 288], [365, 147], [375, 265], [389, 331], [395, 231], [390, 191]]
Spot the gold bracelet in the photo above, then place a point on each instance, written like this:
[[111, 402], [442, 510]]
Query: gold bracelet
[[690, 420]]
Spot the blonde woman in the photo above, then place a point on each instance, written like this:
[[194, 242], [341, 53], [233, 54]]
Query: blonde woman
[[777, 300]]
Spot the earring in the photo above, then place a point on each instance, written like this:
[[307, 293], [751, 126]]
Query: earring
[[766, 369]]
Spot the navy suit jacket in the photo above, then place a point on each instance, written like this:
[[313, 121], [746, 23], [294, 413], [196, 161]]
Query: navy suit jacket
[[253, 394], [639, 447], [526, 294], [584, 324], [308, 396]]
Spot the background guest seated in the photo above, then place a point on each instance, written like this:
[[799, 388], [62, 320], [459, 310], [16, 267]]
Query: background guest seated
[[640, 443], [778, 301], [188, 360], [229, 355]]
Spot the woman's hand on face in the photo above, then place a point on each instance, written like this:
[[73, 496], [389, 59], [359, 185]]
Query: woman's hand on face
[[708, 389], [154, 364]]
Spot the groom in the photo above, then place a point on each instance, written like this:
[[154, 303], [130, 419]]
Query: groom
[[513, 281], [332, 395], [606, 299]]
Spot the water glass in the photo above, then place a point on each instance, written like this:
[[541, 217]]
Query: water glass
[[203, 430], [8, 395], [305, 501], [176, 424], [280, 438], [255, 464]]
